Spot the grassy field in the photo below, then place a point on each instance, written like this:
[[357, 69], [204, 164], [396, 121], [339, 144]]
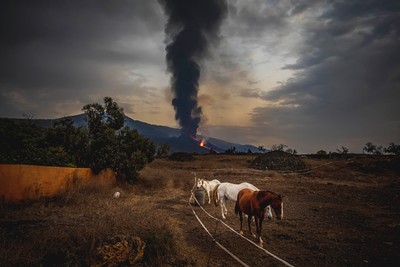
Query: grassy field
[[345, 212]]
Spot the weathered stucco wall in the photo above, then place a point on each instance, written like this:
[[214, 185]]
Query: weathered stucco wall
[[22, 182]]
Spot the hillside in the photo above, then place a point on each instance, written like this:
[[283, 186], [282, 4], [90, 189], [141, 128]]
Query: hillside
[[160, 135]]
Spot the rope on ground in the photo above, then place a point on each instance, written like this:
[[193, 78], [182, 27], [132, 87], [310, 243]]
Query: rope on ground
[[233, 230], [215, 241]]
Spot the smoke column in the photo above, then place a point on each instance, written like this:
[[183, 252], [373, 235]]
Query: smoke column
[[191, 25]]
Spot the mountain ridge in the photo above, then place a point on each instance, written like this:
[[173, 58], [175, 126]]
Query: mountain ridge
[[162, 134]]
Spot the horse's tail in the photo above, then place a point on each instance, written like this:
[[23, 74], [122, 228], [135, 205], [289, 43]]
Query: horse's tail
[[215, 195], [237, 208]]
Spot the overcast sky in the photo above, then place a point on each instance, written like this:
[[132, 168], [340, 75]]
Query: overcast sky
[[309, 74]]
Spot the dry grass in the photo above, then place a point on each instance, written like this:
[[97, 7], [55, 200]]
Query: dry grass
[[66, 230]]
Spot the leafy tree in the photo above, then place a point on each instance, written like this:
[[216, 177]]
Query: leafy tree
[[24, 142], [231, 150], [321, 152], [134, 152], [285, 148], [343, 150], [370, 148], [94, 116], [103, 144], [393, 149], [123, 150], [163, 150], [280, 147], [114, 115], [262, 149]]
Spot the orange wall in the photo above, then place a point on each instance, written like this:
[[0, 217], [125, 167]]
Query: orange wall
[[21, 182]]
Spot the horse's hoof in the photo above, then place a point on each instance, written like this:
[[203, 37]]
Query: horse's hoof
[[241, 232]]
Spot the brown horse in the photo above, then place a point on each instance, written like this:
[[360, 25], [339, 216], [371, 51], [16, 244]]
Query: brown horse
[[254, 203]]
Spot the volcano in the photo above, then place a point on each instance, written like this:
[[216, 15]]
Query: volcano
[[162, 135], [186, 143]]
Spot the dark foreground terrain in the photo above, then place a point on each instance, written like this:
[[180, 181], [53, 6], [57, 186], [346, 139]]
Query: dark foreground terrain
[[344, 212]]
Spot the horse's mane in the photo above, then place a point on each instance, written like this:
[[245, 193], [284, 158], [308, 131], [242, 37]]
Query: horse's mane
[[262, 193]]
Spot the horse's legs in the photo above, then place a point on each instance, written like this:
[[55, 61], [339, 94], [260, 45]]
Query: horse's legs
[[249, 217], [241, 222], [208, 194], [261, 242], [269, 213], [223, 208]]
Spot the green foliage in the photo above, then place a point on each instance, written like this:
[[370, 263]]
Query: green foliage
[[103, 144], [370, 148], [134, 151], [123, 150], [284, 148], [393, 149], [230, 151], [262, 149], [343, 150], [163, 150], [26, 143]]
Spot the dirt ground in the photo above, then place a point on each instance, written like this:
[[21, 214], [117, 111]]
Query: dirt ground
[[344, 212]]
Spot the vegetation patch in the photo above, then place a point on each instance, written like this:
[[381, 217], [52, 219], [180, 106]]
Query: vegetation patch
[[119, 250], [278, 161], [181, 156]]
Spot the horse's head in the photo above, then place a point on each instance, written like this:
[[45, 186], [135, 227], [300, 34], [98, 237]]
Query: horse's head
[[199, 183], [277, 206]]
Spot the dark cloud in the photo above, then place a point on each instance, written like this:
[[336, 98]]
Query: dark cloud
[[346, 84], [70, 50]]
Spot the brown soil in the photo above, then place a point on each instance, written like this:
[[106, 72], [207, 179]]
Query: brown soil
[[345, 212]]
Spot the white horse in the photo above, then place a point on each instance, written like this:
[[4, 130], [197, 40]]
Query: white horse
[[229, 191], [209, 186]]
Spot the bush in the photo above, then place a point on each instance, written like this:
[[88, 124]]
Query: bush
[[181, 156], [279, 161]]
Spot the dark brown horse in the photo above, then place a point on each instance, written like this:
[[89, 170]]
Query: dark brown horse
[[254, 203]]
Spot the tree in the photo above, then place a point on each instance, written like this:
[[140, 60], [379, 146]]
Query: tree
[[321, 152], [111, 146], [163, 150], [285, 148], [134, 152], [230, 151], [370, 148], [103, 144], [280, 147], [262, 149], [393, 149], [343, 150], [114, 115]]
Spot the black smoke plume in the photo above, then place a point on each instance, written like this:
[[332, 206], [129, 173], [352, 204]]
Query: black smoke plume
[[191, 25]]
